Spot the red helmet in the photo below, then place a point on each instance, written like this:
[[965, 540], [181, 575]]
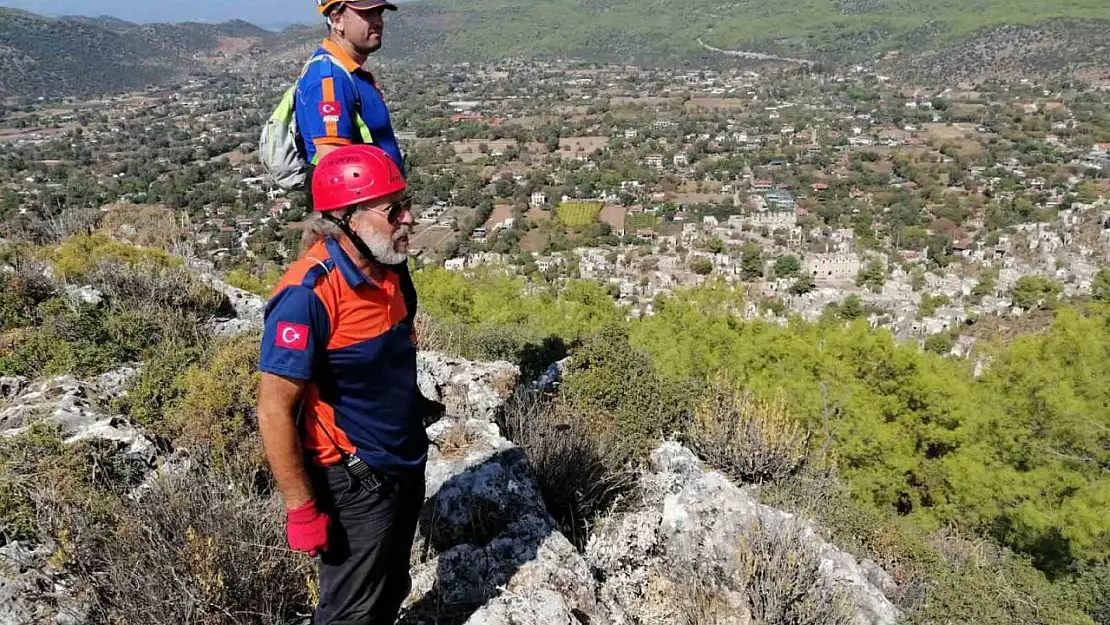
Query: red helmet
[[354, 174]]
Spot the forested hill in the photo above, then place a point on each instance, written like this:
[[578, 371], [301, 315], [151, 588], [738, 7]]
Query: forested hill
[[80, 56], [83, 56], [626, 29]]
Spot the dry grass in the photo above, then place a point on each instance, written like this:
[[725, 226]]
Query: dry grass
[[579, 477], [195, 549], [456, 441], [751, 439], [780, 574], [192, 547]]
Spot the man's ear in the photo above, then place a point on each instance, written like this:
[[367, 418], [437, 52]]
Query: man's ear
[[333, 20]]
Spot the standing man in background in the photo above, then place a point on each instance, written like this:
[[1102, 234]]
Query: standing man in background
[[338, 101]]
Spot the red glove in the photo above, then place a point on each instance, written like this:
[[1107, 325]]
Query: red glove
[[307, 529]]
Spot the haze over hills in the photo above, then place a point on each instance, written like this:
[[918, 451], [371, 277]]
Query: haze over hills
[[262, 12], [55, 56], [815, 29], [42, 56]]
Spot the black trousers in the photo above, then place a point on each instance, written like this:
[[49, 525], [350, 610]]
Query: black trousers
[[408, 290], [364, 574]]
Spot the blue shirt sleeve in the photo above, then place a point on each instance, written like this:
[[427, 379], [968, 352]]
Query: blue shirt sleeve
[[326, 105], [296, 332]]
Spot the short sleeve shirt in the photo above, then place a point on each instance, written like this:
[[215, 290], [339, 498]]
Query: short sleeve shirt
[[329, 104], [347, 337]]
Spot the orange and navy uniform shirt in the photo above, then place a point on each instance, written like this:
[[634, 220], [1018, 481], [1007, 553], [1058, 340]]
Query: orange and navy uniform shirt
[[328, 102], [347, 337]]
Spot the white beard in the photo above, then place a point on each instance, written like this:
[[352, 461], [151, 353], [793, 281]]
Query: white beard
[[381, 245]]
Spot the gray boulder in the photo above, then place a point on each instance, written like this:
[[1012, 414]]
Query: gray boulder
[[11, 386], [689, 530], [73, 407], [34, 592], [487, 549], [84, 294], [248, 306], [470, 390]]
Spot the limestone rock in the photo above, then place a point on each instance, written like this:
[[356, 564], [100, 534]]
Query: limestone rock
[[693, 520], [552, 376], [85, 294], [114, 383], [468, 389], [487, 548], [248, 306], [10, 386], [32, 591], [71, 405]]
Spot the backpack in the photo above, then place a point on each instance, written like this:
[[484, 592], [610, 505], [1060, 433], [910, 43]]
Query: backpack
[[281, 145]]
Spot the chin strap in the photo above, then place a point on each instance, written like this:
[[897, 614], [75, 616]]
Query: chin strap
[[360, 245]]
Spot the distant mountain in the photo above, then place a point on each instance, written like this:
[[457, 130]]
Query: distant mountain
[[934, 39], [42, 56], [672, 29]]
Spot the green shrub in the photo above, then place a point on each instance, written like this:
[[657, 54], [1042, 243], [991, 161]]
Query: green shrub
[[85, 340], [243, 279], [44, 482], [78, 254], [212, 404], [940, 577], [20, 294], [939, 343], [157, 387], [622, 397]]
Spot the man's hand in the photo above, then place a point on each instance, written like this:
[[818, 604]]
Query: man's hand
[[307, 529]]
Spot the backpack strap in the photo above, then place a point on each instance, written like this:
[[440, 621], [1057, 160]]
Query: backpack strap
[[363, 129]]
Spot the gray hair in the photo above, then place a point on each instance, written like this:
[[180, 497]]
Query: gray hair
[[316, 229]]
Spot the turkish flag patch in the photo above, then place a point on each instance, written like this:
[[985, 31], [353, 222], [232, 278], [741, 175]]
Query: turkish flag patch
[[329, 109], [292, 336]]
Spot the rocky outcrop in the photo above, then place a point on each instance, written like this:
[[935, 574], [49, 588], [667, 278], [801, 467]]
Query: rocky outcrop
[[248, 306], [33, 591], [470, 390], [487, 551], [487, 548], [694, 521], [74, 408]]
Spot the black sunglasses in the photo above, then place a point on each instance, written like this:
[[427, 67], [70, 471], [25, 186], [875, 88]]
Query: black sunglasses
[[398, 207], [392, 212]]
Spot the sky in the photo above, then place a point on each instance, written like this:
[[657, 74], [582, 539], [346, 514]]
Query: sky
[[265, 13]]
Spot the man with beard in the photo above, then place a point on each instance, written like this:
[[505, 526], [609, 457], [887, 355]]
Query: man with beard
[[338, 101], [338, 387]]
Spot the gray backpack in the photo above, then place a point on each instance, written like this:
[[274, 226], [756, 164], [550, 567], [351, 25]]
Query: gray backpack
[[281, 147]]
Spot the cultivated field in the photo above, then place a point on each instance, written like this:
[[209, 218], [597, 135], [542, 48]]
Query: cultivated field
[[577, 214], [614, 215], [637, 221]]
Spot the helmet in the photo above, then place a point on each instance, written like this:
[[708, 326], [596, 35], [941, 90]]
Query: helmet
[[354, 174]]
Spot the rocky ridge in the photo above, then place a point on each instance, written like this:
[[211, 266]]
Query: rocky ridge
[[487, 551]]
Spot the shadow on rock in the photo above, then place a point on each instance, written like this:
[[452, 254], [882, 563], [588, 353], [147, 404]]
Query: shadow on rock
[[487, 551]]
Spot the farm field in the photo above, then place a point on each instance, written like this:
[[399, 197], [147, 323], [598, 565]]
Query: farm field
[[578, 214]]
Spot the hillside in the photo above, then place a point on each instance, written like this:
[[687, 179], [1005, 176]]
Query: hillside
[[83, 56], [622, 29], [132, 487]]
